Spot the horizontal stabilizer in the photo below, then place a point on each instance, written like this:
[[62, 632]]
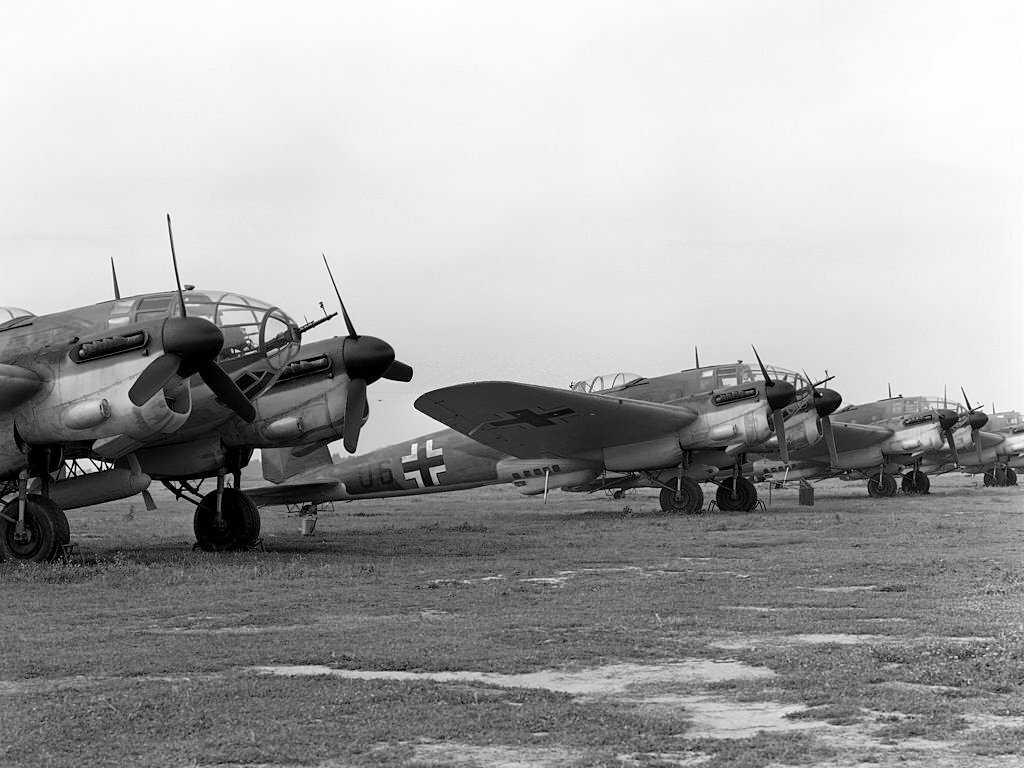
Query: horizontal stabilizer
[[292, 493], [279, 464]]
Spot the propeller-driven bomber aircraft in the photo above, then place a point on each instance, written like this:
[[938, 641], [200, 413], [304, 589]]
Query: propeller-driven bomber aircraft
[[107, 381], [111, 385], [880, 441], [998, 451], [610, 432], [306, 403]]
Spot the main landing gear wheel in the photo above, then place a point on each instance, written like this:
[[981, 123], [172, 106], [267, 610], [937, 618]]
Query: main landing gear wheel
[[881, 486], [744, 499], [46, 531], [915, 483], [1000, 477], [239, 524], [688, 501]]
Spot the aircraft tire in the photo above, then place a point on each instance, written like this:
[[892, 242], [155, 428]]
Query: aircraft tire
[[746, 495], [915, 483], [1011, 476], [47, 531], [882, 486], [990, 478], [240, 526], [690, 500]]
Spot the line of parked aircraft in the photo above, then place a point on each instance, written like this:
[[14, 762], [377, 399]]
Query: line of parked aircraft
[[181, 386]]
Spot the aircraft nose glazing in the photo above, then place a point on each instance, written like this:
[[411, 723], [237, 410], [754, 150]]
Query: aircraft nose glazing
[[194, 339], [780, 394], [827, 401]]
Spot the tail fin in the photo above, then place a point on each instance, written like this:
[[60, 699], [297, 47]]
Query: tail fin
[[280, 464]]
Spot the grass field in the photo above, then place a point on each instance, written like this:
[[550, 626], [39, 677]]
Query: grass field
[[484, 628]]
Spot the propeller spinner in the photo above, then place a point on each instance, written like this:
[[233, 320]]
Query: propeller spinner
[[366, 359]]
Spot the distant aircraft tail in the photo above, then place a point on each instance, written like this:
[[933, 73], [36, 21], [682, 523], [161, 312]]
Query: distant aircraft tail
[[280, 464]]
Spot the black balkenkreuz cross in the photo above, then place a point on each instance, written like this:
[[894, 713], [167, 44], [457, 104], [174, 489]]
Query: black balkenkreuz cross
[[423, 465], [531, 418]]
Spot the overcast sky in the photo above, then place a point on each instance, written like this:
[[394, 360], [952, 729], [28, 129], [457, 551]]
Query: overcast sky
[[541, 191]]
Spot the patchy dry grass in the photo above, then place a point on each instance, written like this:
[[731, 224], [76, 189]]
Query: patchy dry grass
[[894, 629]]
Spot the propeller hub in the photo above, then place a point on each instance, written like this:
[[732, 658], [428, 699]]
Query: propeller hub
[[367, 357], [779, 394], [977, 420], [947, 418], [827, 401], [195, 340]]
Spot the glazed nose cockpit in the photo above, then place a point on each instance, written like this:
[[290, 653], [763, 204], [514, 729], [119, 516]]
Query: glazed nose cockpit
[[259, 338]]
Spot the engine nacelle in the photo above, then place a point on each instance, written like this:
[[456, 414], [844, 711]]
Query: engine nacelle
[[89, 401], [739, 422], [310, 409]]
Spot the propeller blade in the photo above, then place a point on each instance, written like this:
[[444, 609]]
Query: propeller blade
[[153, 378], [174, 260], [398, 371], [977, 447], [355, 409], [344, 313], [227, 391], [764, 371], [830, 441], [952, 447], [780, 432]]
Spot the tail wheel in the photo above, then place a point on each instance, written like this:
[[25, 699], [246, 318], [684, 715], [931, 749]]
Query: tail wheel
[[46, 531], [238, 527], [915, 483], [743, 500], [688, 501]]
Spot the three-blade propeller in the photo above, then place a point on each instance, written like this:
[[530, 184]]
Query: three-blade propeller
[[191, 345], [977, 419], [779, 394], [366, 359], [826, 402]]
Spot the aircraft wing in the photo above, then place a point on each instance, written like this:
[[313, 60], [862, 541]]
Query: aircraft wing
[[849, 437], [17, 385], [989, 439], [529, 421]]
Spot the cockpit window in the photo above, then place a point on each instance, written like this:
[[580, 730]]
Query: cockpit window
[[605, 382], [251, 328], [10, 316]]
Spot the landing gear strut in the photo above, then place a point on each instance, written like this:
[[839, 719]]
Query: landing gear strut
[[1000, 477], [736, 494], [685, 498], [235, 525], [881, 485], [32, 528], [915, 483]]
